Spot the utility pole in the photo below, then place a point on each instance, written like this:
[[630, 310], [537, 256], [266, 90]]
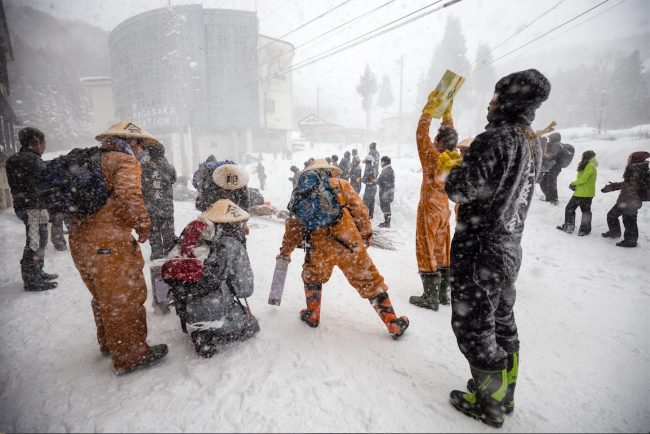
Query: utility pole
[[401, 89]]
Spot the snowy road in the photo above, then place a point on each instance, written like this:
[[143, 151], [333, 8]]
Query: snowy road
[[582, 312]]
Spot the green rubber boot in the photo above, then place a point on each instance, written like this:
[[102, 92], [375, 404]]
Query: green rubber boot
[[429, 299], [443, 292], [487, 402], [513, 371]]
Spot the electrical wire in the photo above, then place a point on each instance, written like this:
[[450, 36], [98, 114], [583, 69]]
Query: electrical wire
[[539, 37]]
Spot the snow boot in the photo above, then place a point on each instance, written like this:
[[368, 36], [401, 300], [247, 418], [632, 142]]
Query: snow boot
[[156, 353], [610, 234], [566, 228], [32, 278], [311, 315], [626, 243], [44, 275], [429, 299], [582, 233], [487, 402], [384, 308], [386, 223], [443, 290], [513, 371]]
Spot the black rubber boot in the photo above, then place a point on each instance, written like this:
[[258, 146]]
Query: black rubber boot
[[626, 243], [429, 299], [487, 402], [311, 315], [156, 353], [513, 371], [386, 223], [443, 291], [32, 278], [566, 228], [44, 275]]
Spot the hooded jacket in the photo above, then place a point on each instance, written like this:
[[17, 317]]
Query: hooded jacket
[[23, 173], [585, 183]]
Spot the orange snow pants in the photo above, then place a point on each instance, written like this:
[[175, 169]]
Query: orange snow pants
[[110, 263], [432, 234], [342, 246]]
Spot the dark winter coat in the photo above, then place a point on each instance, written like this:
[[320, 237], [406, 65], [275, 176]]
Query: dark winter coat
[[386, 183], [369, 175], [23, 173], [494, 187], [209, 192], [344, 165], [551, 160], [355, 177], [158, 178], [375, 156], [632, 181]]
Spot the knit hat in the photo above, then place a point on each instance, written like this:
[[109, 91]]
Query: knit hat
[[127, 130], [369, 159], [230, 177], [225, 211], [639, 157], [555, 138], [321, 164], [522, 90]]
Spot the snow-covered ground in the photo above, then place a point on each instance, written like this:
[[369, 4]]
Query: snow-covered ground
[[582, 312]]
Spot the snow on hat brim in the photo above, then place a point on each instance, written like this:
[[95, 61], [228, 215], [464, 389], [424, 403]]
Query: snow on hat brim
[[225, 211], [230, 177], [322, 164], [128, 130], [369, 158]]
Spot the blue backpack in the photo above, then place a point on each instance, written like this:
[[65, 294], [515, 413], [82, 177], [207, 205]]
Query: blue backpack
[[314, 202], [73, 184]]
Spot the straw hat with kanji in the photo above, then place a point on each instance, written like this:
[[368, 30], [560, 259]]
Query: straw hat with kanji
[[225, 211], [128, 130]]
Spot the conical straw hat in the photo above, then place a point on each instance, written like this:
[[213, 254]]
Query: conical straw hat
[[127, 130], [230, 177], [322, 164], [225, 211]]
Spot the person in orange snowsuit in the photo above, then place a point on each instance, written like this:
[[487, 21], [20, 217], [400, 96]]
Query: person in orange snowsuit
[[341, 244], [433, 236], [108, 257]]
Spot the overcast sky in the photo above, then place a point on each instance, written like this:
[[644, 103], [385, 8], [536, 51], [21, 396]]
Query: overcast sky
[[484, 21]]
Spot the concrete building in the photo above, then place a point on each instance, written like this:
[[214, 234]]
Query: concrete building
[[192, 77]]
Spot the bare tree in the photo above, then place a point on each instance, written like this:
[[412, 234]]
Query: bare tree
[[598, 92]]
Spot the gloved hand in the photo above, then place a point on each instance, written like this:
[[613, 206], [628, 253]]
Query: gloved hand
[[446, 115], [572, 187], [367, 241], [608, 188], [448, 160], [433, 102], [143, 235], [283, 257]]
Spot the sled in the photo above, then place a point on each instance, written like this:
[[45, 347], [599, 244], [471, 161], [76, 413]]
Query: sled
[[277, 284], [159, 289]]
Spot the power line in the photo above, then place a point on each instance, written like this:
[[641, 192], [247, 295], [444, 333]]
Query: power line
[[526, 26], [577, 25], [358, 18], [366, 37], [313, 20], [539, 37]]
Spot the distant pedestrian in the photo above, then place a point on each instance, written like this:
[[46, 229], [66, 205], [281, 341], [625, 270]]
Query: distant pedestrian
[[370, 179], [296, 175], [375, 155], [23, 173], [261, 174], [551, 167], [344, 165], [335, 160], [584, 188], [355, 156], [634, 189], [386, 183], [354, 175]]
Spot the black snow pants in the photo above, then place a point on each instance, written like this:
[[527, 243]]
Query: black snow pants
[[585, 207], [385, 199], [629, 222], [482, 301], [162, 236], [549, 184], [369, 195]]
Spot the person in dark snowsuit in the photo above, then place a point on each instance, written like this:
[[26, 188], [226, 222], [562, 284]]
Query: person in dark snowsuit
[[584, 188], [375, 156], [261, 174], [354, 175], [552, 167], [23, 173], [386, 183], [629, 200], [344, 165], [296, 175], [158, 178], [370, 179], [494, 186], [210, 310]]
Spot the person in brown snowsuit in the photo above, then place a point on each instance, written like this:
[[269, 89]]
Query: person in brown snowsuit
[[108, 257]]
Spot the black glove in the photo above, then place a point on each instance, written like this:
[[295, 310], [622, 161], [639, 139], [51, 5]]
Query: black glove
[[572, 187]]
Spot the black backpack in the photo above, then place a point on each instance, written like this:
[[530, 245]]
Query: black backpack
[[566, 155], [644, 182], [73, 184]]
